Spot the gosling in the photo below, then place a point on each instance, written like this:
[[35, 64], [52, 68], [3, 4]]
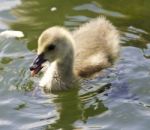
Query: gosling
[[82, 53]]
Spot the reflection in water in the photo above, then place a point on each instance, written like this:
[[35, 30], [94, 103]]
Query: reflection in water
[[69, 109], [72, 108]]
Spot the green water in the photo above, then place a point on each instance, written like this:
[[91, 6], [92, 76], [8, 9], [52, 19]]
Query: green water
[[120, 100]]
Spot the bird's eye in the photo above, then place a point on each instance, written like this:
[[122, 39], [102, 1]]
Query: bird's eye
[[51, 47]]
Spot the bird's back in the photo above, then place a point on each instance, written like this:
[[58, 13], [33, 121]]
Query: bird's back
[[96, 46]]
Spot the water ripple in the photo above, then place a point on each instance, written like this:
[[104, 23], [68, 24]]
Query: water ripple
[[97, 8]]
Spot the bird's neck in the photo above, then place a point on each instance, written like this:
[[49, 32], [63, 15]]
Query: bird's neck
[[63, 77], [65, 68]]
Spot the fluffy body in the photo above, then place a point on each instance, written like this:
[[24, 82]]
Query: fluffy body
[[79, 54]]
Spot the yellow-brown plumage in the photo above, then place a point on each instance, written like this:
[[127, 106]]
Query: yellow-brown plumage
[[81, 53]]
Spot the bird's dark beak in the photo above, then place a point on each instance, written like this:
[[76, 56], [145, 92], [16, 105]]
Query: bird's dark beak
[[37, 64]]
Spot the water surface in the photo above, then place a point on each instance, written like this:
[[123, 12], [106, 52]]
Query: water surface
[[118, 100]]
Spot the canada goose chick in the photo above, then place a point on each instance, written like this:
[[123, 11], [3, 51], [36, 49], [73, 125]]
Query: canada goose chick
[[55, 45], [82, 53]]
